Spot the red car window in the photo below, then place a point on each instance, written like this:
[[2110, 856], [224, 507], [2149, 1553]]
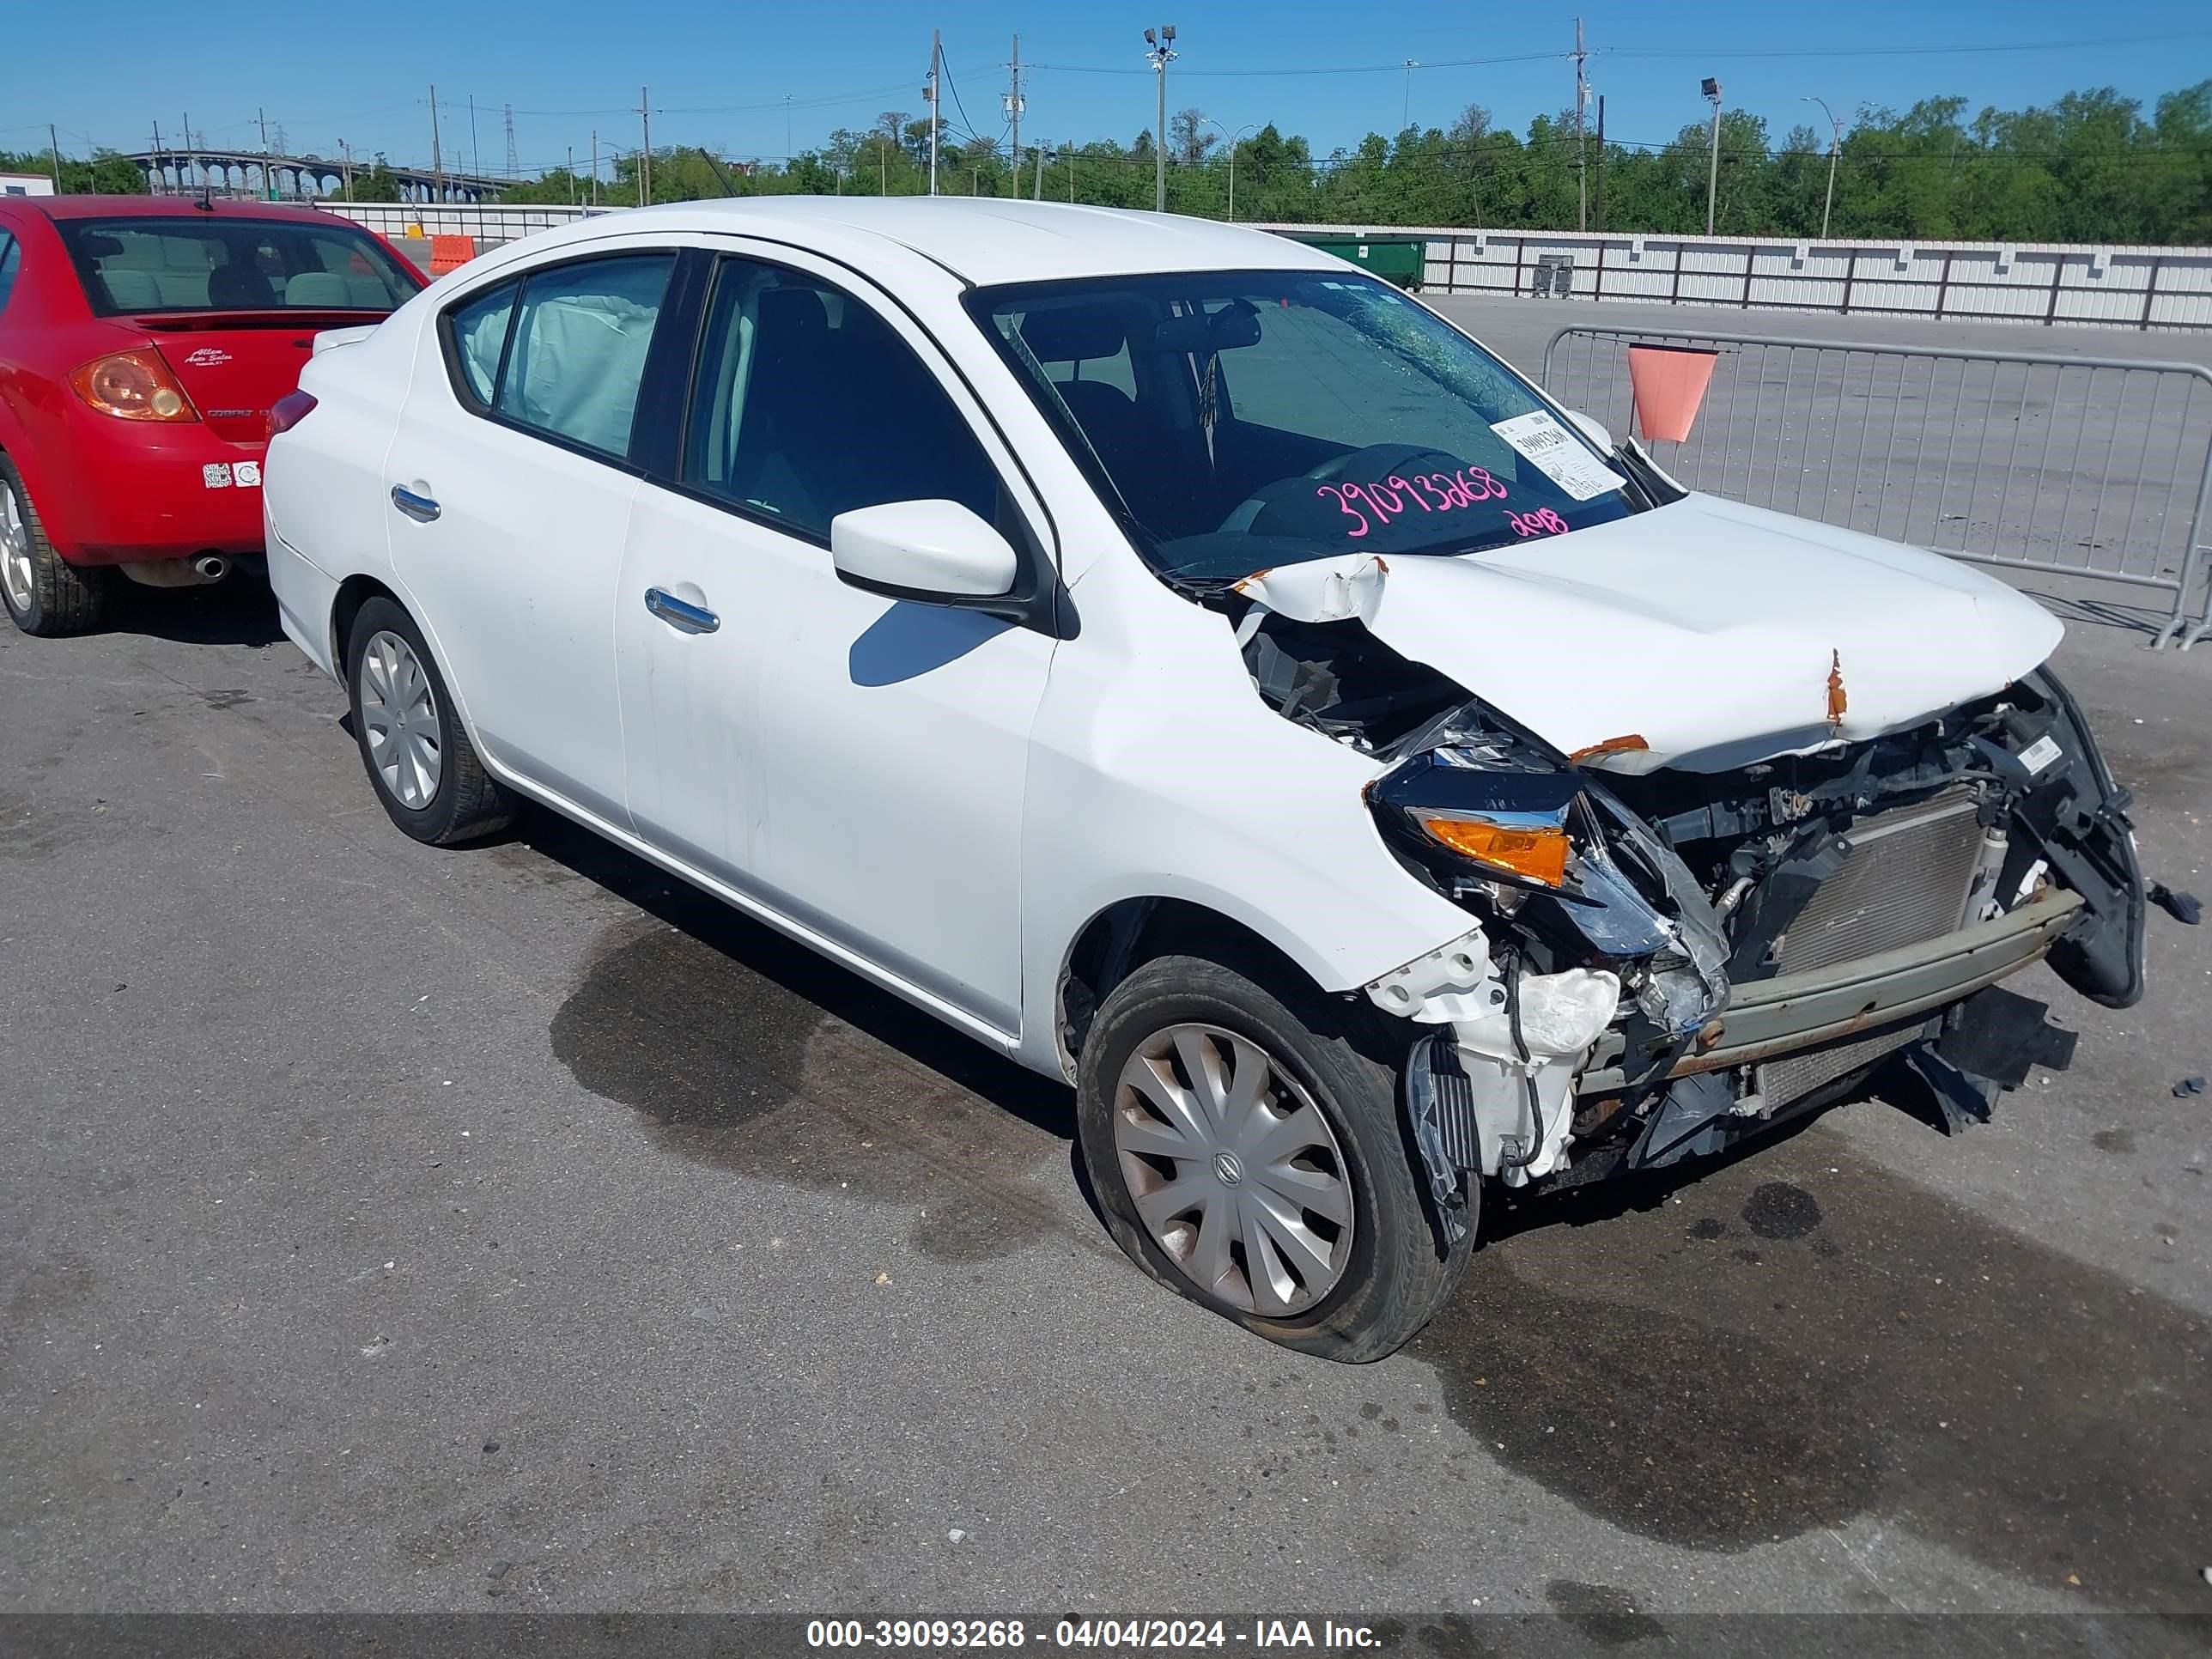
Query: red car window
[[194, 263]]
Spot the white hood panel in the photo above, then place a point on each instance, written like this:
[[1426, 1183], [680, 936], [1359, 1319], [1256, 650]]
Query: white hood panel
[[1707, 628]]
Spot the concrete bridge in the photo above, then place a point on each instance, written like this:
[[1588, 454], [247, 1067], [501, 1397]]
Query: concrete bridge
[[176, 172]]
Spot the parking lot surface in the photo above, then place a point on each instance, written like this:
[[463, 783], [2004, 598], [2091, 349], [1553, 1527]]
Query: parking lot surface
[[390, 1228]]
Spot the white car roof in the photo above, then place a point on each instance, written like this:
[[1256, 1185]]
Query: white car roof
[[984, 240]]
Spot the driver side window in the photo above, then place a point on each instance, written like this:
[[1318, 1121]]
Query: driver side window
[[806, 404]]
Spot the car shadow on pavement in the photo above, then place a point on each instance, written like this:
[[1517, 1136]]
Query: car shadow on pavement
[[238, 610], [738, 1048]]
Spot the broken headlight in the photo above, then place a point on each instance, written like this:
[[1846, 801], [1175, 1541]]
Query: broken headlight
[[1512, 825]]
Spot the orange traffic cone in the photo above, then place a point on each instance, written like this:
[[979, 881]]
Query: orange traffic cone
[[1669, 383]]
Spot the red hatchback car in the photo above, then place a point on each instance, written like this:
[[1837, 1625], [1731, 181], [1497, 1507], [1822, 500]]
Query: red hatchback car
[[143, 342]]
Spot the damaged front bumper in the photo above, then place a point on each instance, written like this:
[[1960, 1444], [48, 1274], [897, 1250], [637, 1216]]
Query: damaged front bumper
[[1863, 920], [1767, 1018]]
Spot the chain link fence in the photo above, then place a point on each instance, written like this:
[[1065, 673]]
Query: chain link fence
[[2084, 466]]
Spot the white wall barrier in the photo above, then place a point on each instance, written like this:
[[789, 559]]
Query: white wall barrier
[[2117, 286], [2136, 288]]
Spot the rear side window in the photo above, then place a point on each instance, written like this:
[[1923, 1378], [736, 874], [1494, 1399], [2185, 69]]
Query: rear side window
[[11, 261], [806, 404], [563, 352], [143, 263]]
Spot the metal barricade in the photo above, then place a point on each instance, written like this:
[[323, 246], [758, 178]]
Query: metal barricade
[[2098, 467]]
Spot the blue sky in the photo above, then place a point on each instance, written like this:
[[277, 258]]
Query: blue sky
[[720, 73]]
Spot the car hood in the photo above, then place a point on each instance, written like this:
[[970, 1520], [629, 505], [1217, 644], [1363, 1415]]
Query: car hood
[[1719, 634]]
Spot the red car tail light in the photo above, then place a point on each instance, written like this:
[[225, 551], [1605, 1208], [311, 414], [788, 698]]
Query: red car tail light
[[133, 386], [290, 410]]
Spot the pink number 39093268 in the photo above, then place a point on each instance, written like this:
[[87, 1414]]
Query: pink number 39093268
[[1387, 498]]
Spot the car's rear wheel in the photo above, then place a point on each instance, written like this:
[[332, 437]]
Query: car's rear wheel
[[417, 754], [45, 594], [1247, 1152]]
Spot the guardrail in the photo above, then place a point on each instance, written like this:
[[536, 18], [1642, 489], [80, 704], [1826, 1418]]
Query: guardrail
[[2084, 466]]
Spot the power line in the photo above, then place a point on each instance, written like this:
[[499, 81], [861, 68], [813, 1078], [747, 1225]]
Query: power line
[[1398, 68], [1973, 48]]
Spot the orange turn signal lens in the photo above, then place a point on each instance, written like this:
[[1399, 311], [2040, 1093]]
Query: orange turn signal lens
[[133, 386], [1538, 853]]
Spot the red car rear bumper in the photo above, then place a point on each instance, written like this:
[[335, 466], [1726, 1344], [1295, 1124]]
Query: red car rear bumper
[[123, 492]]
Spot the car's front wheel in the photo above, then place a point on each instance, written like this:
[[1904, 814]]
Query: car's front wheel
[[45, 594], [417, 753], [1248, 1152]]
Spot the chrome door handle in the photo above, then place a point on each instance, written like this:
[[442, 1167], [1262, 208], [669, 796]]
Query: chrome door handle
[[420, 509], [680, 614]]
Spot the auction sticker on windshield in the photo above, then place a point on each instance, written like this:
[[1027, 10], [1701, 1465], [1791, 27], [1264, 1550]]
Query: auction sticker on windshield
[[1558, 454]]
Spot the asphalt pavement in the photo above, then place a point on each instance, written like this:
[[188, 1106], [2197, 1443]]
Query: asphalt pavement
[[384, 1228]]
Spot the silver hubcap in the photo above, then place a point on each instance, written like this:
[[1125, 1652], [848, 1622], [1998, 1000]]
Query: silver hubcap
[[15, 550], [400, 717], [1235, 1172]]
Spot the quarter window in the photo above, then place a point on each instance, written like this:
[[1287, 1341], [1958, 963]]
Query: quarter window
[[806, 404], [479, 337], [11, 261]]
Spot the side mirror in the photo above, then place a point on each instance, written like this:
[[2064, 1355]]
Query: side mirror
[[1593, 430], [929, 552]]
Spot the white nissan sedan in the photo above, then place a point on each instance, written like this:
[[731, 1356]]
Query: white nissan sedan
[[1203, 673]]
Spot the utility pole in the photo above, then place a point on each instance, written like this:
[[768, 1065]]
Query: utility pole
[[571, 171], [645, 154], [1713, 89], [54, 144], [1037, 193], [268, 189], [1600, 191], [1405, 117], [515, 160], [1835, 143], [187, 172], [929, 95], [1582, 142], [1014, 113], [786, 131], [595, 167], [476, 150], [345, 164], [1160, 49], [157, 159], [437, 153]]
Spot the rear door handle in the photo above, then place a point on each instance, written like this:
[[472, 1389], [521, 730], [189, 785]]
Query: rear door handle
[[420, 509], [680, 614]]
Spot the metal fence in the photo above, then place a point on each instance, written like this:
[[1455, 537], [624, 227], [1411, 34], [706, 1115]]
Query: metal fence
[[2085, 466]]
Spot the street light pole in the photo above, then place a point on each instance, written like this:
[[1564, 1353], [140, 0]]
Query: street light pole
[[1160, 48], [1835, 143], [1233, 138], [1713, 89]]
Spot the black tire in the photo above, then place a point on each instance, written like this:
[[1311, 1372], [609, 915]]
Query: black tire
[[1400, 1274], [468, 802], [62, 599]]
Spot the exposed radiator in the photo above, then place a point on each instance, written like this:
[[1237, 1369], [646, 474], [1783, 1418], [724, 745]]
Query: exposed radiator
[[1905, 879]]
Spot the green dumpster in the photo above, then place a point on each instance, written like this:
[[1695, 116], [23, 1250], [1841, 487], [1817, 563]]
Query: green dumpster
[[1402, 260]]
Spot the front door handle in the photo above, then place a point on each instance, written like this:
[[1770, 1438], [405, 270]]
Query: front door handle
[[680, 614], [420, 509]]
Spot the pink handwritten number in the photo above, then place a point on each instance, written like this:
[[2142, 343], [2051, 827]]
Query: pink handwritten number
[[1542, 522], [1385, 499], [1346, 508]]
